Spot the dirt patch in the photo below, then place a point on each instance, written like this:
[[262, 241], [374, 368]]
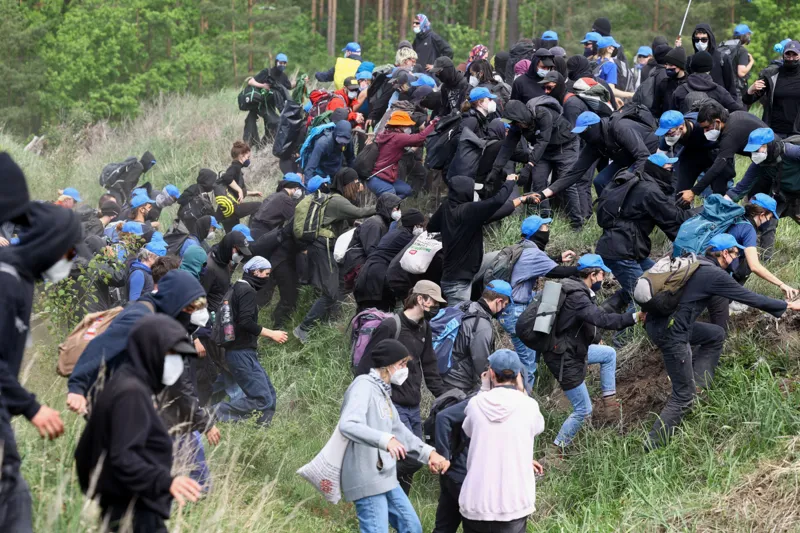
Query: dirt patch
[[642, 385]]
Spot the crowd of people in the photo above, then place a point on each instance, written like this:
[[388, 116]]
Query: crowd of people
[[502, 130]]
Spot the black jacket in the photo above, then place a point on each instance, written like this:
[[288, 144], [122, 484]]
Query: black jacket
[[648, 204], [577, 327], [245, 317], [368, 235], [527, 86], [216, 279], [125, 431], [275, 210], [770, 76], [371, 281], [452, 94], [663, 101], [722, 70], [428, 46], [461, 221], [703, 83], [416, 337]]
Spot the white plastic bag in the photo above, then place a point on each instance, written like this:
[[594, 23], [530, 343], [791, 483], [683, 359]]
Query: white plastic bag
[[325, 470], [419, 255], [342, 245]]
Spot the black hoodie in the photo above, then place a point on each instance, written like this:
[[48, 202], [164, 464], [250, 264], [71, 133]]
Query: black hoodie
[[216, 278], [194, 201], [500, 64], [454, 91], [369, 234], [460, 221], [527, 86], [702, 83], [547, 128], [125, 437], [14, 196], [722, 70]]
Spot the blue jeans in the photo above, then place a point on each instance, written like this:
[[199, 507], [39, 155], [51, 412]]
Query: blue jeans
[[381, 187], [190, 447], [508, 319], [456, 292], [605, 176], [606, 357], [411, 418], [627, 271], [259, 394], [377, 513]]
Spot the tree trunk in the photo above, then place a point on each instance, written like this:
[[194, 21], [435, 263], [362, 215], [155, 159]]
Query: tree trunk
[[553, 16], [233, 40], [473, 21], [331, 27], [569, 20], [313, 15], [535, 17], [655, 15], [387, 15], [380, 21], [501, 38], [250, 35], [733, 12], [404, 20], [493, 30], [485, 17], [513, 23], [356, 17], [363, 16], [320, 13]]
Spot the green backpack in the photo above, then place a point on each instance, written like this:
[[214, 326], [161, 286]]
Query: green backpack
[[308, 216]]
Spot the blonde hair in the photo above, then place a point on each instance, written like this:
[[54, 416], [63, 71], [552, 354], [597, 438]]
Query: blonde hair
[[404, 54]]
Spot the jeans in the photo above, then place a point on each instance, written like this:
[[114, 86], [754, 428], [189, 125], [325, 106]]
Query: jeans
[[687, 369], [478, 526], [627, 272], [190, 452], [605, 176], [448, 514], [15, 502], [527, 356], [381, 187], [412, 419], [377, 513], [606, 357], [456, 292], [259, 394]]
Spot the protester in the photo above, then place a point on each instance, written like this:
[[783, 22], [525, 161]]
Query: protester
[[331, 152], [93, 275], [428, 45], [198, 200], [700, 86], [344, 67], [346, 98], [607, 67], [674, 77], [392, 167], [741, 60], [722, 71], [778, 90], [527, 86], [140, 275], [368, 235], [231, 190], [194, 261], [454, 89], [481, 75], [278, 207], [204, 230], [68, 198]]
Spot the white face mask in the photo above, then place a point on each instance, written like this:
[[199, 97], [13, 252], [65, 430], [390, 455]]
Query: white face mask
[[210, 235], [297, 194], [352, 94], [396, 215], [542, 73], [672, 140], [416, 231], [701, 47], [759, 157], [417, 29], [399, 377], [492, 107], [712, 135], [58, 271], [200, 317], [236, 258], [173, 368], [473, 81]]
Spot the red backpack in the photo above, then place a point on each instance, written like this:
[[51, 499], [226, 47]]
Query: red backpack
[[320, 98]]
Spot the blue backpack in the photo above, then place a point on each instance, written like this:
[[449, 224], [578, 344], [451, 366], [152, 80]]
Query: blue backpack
[[311, 138], [717, 216], [444, 330]]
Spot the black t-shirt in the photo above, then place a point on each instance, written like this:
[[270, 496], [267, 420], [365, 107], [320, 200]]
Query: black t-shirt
[[263, 76], [785, 103]]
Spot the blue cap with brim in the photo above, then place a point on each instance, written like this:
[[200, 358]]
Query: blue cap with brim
[[588, 261], [669, 120], [741, 29], [592, 36], [532, 224], [423, 80], [352, 48], [282, 58], [505, 361], [500, 287], [215, 224], [767, 202], [585, 119], [157, 248], [549, 35], [479, 93], [723, 241], [316, 182], [661, 159], [644, 51], [605, 42], [139, 200], [758, 138], [132, 227], [363, 76], [294, 178], [244, 230], [172, 191], [72, 193]]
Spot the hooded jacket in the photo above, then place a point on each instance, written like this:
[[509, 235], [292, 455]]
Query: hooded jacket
[[193, 261], [371, 281], [501, 61], [722, 71], [454, 91], [429, 45], [392, 147], [461, 221], [527, 86], [14, 195], [472, 347], [275, 210], [523, 49], [501, 424], [770, 76], [328, 156], [176, 290], [197, 200], [703, 83], [368, 235], [125, 436], [217, 277]]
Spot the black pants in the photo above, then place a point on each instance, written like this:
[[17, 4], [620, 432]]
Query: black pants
[[285, 277], [448, 516], [559, 161], [250, 135], [687, 370], [514, 526], [144, 520], [240, 211], [206, 370]]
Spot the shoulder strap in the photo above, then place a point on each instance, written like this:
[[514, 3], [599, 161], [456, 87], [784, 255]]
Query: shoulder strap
[[150, 306], [396, 318], [10, 270]]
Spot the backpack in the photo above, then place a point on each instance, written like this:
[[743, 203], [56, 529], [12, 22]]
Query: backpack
[[637, 113], [365, 161], [445, 327], [445, 401], [218, 328], [542, 306], [308, 145], [717, 216], [659, 290], [289, 128], [503, 264], [319, 114], [361, 328], [251, 98], [625, 79], [76, 342], [114, 172], [612, 200], [694, 100], [308, 215], [646, 93], [175, 237], [441, 145]]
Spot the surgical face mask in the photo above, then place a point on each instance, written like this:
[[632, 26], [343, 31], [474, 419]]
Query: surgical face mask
[[712, 135], [397, 214], [491, 107], [297, 194], [407, 131], [417, 29], [541, 72], [236, 258], [672, 140], [399, 377], [596, 286], [58, 271], [210, 235], [200, 317], [672, 72], [173, 368], [246, 163], [416, 231], [281, 67], [352, 94], [701, 46], [474, 81], [759, 157], [588, 52]]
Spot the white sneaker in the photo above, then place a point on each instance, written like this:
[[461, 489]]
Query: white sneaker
[[736, 308]]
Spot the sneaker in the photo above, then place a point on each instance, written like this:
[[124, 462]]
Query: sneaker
[[736, 308], [300, 334]]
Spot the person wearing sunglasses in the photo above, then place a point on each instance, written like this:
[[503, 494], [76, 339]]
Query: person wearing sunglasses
[[722, 71]]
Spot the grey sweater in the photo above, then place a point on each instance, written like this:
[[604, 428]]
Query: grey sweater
[[370, 420]]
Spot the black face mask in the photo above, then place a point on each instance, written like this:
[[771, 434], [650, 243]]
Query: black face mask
[[791, 66], [597, 286], [430, 313], [447, 76], [540, 239], [588, 52], [254, 281], [185, 320], [672, 73]]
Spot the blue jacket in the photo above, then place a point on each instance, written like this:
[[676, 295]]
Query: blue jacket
[[447, 422], [532, 264], [326, 157], [140, 281], [176, 290]]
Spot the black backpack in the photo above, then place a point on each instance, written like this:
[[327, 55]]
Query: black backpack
[[694, 100], [503, 264], [612, 200], [441, 145], [112, 173], [646, 93], [540, 342], [446, 400], [291, 123], [637, 113], [365, 161]]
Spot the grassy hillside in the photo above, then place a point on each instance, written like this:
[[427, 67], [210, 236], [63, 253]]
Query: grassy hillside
[[734, 465]]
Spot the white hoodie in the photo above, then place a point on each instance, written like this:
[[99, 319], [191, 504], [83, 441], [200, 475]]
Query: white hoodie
[[500, 486]]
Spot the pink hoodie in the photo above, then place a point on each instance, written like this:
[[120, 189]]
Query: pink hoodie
[[500, 486]]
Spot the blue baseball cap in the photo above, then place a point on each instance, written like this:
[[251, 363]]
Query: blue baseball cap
[[500, 287], [364, 75], [316, 182], [588, 261], [282, 57], [244, 230], [549, 35], [353, 48], [505, 361], [723, 241], [157, 237], [172, 191], [72, 193], [605, 42], [307, 107], [661, 159], [741, 29], [215, 224], [480, 92], [139, 190], [669, 120], [759, 137], [132, 227], [423, 80], [778, 48], [585, 119], [532, 224], [644, 51], [157, 248], [139, 200], [294, 178], [767, 202], [366, 66], [592, 36]]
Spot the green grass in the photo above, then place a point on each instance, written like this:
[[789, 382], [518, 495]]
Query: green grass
[[732, 467]]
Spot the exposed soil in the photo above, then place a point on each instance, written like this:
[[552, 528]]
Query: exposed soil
[[642, 385]]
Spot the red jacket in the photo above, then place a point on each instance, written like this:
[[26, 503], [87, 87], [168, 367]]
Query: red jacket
[[391, 147], [340, 99]]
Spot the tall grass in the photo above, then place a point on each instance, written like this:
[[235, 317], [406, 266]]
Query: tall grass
[[740, 432]]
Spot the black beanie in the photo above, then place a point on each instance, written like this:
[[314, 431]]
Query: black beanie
[[660, 53], [411, 218], [677, 57], [388, 352], [702, 62], [602, 26], [659, 41], [14, 196], [109, 209]]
